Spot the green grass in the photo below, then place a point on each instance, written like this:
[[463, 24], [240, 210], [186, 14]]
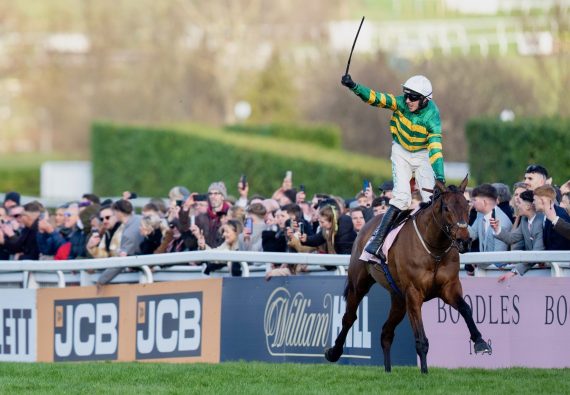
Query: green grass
[[263, 378]]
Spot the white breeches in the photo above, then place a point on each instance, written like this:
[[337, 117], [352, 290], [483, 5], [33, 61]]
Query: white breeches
[[406, 164]]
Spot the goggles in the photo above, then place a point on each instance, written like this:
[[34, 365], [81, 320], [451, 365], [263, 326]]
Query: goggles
[[413, 96]]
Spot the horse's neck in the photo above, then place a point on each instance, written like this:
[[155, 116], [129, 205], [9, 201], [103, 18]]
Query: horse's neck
[[431, 227]]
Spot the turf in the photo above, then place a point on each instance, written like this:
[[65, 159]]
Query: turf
[[264, 378]]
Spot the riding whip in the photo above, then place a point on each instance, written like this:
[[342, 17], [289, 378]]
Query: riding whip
[[353, 44]]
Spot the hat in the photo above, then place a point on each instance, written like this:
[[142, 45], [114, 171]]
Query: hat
[[13, 196], [527, 196], [220, 187], [386, 186]]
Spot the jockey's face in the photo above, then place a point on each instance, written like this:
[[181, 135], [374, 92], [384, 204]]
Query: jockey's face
[[413, 106]]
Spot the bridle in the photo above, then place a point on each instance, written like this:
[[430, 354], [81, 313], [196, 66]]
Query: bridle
[[446, 228]]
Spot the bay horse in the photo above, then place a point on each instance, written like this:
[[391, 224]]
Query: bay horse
[[423, 263]]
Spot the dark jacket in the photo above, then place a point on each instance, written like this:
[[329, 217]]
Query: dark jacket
[[26, 243], [552, 239], [562, 227], [343, 239], [48, 243], [151, 242]]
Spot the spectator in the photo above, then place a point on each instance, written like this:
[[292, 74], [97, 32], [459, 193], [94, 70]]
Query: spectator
[[535, 176], [518, 188], [25, 244], [503, 199], [230, 232], [11, 199], [485, 202], [250, 239], [565, 188], [106, 241], [59, 216], [336, 234], [357, 217], [561, 225], [4, 253], [544, 201], [178, 193], [151, 230], [131, 238], [201, 204], [73, 233], [529, 233], [386, 189], [49, 237], [380, 205], [210, 222]]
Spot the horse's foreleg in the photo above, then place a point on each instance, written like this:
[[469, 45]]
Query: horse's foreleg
[[454, 297], [414, 303], [354, 295], [397, 313]]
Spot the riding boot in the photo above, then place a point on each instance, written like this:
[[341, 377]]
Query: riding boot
[[374, 245]]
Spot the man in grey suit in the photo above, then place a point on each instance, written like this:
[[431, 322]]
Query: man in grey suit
[[484, 199], [529, 231]]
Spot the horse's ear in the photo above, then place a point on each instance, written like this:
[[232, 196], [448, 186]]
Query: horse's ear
[[440, 185], [464, 183]]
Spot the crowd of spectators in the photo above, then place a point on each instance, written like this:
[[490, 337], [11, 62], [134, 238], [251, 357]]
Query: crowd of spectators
[[534, 217]]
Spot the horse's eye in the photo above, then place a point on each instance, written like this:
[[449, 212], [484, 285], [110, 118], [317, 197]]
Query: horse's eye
[[446, 208]]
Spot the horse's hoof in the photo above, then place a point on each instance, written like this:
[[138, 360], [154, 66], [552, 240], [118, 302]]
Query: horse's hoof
[[331, 355], [483, 348]]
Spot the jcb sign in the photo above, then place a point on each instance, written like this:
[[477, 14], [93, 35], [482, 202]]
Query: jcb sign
[[169, 325], [86, 329]]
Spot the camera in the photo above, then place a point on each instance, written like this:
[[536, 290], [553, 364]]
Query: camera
[[180, 203]]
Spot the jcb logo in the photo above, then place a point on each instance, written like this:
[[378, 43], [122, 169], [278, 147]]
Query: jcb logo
[[86, 329], [169, 325]]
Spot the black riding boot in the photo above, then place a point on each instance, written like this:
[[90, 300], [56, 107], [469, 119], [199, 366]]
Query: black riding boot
[[374, 245]]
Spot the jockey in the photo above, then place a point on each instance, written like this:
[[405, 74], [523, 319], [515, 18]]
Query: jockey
[[416, 146]]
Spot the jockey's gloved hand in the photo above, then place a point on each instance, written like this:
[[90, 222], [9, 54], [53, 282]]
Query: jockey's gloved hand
[[347, 81], [442, 180]]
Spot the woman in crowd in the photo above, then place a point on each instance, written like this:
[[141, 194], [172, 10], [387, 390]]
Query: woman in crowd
[[230, 231]]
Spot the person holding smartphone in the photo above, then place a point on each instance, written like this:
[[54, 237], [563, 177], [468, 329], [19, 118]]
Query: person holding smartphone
[[484, 198], [416, 148], [250, 238]]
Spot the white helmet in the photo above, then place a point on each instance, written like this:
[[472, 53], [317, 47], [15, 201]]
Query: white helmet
[[419, 84]]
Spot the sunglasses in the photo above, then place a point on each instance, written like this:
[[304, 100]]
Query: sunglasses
[[412, 96], [105, 218], [16, 215]]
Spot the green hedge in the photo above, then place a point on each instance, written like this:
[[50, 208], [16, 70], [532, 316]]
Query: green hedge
[[325, 135], [150, 160], [24, 180], [500, 151]]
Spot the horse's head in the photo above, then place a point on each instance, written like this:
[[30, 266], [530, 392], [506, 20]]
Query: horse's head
[[455, 213]]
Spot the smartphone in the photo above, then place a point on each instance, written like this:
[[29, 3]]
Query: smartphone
[[365, 185], [243, 181], [180, 203], [301, 188], [95, 232], [301, 227], [192, 220], [493, 214], [249, 224], [289, 175], [133, 195]]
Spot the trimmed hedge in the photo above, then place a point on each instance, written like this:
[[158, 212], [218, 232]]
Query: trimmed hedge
[[500, 151], [328, 136], [24, 180], [150, 160]]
